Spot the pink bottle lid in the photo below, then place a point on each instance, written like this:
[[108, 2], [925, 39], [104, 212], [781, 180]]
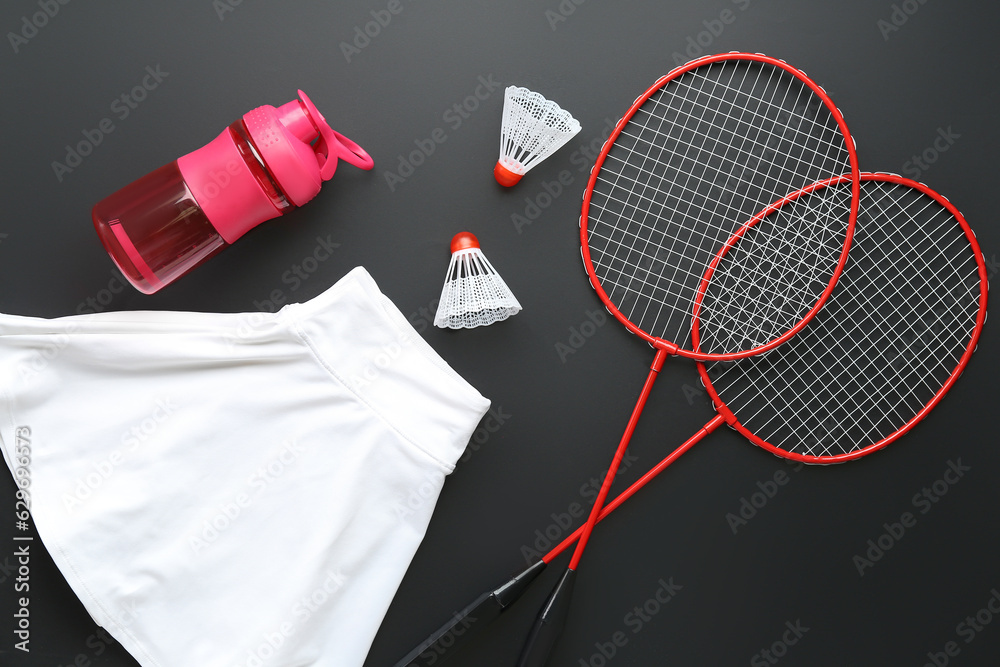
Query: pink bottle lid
[[299, 149]]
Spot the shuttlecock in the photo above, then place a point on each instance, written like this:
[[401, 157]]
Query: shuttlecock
[[474, 294], [532, 129]]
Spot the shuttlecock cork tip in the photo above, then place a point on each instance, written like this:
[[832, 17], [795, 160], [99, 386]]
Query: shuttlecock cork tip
[[463, 241], [505, 176]]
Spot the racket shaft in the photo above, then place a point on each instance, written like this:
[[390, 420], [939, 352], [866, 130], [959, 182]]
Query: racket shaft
[[445, 641], [595, 511], [716, 421]]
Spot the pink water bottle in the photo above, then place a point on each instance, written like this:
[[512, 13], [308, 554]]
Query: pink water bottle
[[264, 165]]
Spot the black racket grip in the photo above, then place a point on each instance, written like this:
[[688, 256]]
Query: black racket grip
[[549, 624], [449, 637]]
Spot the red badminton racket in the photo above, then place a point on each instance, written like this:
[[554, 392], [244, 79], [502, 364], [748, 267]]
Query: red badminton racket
[[684, 219], [898, 331], [697, 171], [903, 322]]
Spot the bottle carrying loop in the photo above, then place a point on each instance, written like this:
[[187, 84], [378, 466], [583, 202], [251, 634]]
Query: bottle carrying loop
[[332, 144]]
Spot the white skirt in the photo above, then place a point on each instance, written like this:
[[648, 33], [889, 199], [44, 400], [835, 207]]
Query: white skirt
[[240, 490]]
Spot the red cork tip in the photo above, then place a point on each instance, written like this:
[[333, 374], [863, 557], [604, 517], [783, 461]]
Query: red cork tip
[[505, 176], [463, 241]]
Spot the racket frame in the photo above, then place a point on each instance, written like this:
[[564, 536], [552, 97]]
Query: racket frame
[[724, 410], [849, 144]]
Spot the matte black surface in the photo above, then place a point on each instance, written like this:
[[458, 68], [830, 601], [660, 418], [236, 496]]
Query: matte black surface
[[666, 580]]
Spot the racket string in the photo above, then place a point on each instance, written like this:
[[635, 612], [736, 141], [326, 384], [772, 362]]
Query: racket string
[[832, 248], [776, 278], [895, 328], [759, 273], [855, 372], [781, 270], [648, 212], [696, 161], [690, 174], [887, 383], [830, 143], [718, 236]]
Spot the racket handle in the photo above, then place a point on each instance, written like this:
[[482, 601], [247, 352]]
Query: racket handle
[[549, 624], [460, 627]]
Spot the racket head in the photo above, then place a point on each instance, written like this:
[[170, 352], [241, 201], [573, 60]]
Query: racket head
[[894, 337], [725, 137]]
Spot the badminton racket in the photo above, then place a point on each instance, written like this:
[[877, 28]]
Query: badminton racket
[[697, 171], [684, 212], [896, 334]]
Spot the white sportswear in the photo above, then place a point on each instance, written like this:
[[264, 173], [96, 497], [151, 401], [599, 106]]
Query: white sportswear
[[234, 490]]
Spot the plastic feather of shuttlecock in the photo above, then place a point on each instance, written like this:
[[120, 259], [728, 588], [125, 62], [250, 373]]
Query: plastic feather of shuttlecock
[[532, 129], [474, 294]]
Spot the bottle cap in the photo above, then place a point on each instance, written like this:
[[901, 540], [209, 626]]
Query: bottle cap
[[300, 148], [300, 151]]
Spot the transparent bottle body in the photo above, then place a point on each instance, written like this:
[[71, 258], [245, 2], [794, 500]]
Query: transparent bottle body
[[154, 229]]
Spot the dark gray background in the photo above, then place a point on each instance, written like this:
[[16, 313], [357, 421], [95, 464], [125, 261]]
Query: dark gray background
[[561, 417]]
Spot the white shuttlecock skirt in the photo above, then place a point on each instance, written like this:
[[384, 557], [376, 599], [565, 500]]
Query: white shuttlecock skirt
[[474, 294], [532, 129]]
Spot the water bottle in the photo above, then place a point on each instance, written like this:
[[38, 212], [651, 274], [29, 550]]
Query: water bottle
[[264, 165]]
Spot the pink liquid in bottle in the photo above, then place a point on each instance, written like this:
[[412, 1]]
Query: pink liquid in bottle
[[168, 234], [170, 221]]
